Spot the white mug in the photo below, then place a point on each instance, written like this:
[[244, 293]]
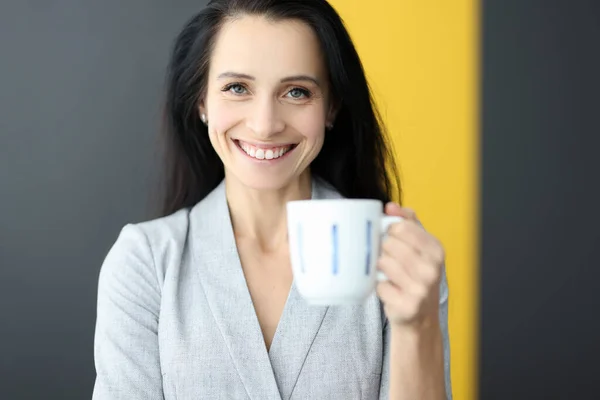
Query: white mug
[[334, 247]]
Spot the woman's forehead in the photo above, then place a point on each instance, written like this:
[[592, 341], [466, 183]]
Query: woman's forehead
[[260, 47]]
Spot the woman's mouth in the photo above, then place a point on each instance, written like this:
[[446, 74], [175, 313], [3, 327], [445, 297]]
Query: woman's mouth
[[263, 152]]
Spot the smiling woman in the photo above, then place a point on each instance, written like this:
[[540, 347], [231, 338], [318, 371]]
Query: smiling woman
[[267, 103], [268, 67], [271, 101]]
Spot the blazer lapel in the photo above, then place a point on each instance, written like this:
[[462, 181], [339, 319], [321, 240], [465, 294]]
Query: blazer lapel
[[299, 324], [224, 284], [293, 339]]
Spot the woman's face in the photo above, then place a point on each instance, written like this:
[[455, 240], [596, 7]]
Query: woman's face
[[267, 100]]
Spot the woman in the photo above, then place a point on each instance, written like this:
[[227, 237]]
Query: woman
[[267, 102]]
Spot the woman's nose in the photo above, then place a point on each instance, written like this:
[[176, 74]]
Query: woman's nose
[[265, 119]]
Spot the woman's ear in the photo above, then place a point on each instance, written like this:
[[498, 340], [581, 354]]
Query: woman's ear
[[331, 115], [202, 112]]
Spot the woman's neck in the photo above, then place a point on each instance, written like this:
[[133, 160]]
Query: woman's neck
[[260, 215]]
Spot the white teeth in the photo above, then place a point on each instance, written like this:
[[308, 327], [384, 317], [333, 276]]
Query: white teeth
[[262, 154]]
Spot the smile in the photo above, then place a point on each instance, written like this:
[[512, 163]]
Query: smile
[[264, 152]]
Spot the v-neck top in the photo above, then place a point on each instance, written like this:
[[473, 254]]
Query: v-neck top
[[175, 320]]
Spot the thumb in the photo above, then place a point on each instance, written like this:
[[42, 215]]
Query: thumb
[[394, 209]]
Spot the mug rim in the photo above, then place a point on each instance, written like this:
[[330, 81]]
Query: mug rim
[[325, 201], [333, 203]]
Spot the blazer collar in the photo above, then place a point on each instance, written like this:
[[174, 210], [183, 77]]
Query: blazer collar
[[264, 374]]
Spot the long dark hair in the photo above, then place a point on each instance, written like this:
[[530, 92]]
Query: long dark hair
[[355, 158]]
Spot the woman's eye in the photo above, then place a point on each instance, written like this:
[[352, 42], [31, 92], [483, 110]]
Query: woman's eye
[[235, 89], [297, 93]]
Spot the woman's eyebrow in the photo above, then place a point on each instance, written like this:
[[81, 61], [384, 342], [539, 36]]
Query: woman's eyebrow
[[230, 74], [301, 78], [237, 75]]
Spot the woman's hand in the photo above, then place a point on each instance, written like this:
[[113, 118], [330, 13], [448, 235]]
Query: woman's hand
[[412, 260]]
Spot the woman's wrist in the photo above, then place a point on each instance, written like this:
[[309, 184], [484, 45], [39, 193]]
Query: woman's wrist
[[424, 327]]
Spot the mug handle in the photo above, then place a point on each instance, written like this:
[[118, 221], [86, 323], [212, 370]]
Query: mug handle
[[386, 221]]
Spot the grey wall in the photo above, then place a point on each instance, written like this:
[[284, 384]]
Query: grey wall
[[80, 83], [80, 86], [540, 333]]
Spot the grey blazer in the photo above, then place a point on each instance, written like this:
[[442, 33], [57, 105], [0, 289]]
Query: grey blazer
[[175, 321]]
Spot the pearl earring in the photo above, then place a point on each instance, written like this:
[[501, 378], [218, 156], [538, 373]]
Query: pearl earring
[[329, 126], [203, 118]]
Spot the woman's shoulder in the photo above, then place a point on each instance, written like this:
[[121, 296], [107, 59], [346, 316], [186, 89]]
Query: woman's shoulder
[[140, 248], [173, 227]]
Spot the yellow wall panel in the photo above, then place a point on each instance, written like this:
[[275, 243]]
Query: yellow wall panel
[[421, 59]]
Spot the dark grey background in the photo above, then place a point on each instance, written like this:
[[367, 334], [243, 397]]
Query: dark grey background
[[80, 87], [541, 172]]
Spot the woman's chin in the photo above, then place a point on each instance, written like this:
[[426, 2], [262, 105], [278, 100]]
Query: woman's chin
[[266, 183]]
